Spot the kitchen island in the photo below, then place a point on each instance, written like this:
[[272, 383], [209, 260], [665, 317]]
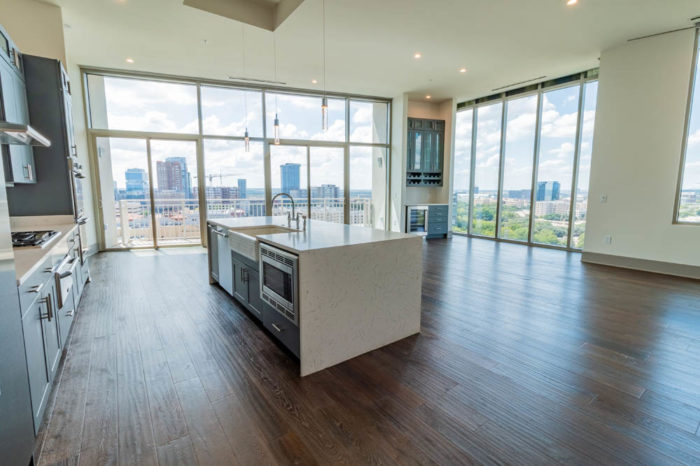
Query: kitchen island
[[356, 289]]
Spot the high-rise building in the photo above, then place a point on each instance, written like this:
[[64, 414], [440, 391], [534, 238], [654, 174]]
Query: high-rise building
[[329, 191], [242, 185], [547, 191], [173, 176], [290, 177], [136, 183]]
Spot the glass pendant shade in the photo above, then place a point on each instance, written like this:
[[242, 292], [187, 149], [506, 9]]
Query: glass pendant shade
[[277, 129], [324, 113], [247, 141]]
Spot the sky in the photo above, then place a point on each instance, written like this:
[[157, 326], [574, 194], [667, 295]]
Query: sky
[[171, 107], [557, 140]]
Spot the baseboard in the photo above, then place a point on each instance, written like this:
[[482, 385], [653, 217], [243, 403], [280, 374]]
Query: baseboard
[[92, 250], [646, 265]]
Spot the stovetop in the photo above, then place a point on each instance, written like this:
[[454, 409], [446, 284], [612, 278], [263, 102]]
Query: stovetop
[[32, 238]]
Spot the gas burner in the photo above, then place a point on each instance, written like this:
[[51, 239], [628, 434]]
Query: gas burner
[[32, 238]]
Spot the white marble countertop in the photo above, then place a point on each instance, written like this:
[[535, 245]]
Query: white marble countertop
[[27, 259], [318, 234]]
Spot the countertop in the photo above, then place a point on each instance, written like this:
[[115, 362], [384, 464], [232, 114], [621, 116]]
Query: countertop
[[318, 234], [27, 259]]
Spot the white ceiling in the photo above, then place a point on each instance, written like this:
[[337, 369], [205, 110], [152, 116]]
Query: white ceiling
[[370, 43]]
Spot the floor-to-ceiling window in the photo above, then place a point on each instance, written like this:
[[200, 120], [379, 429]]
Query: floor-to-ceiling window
[[688, 201], [522, 163], [173, 152]]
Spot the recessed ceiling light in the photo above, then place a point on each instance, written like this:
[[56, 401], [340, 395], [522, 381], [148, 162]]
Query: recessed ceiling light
[[417, 55], [571, 2], [130, 60], [462, 70], [314, 81], [428, 97]]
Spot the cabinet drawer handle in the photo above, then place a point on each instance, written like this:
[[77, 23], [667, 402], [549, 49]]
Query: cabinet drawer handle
[[70, 313], [276, 327], [36, 288]]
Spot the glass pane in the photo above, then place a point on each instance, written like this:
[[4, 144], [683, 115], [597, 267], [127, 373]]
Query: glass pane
[[123, 166], [584, 165], [462, 167], [488, 148], [141, 105], [327, 181], [173, 164], [689, 205], [556, 165], [517, 170], [289, 175], [234, 179], [224, 112], [369, 122], [418, 150], [300, 117], [368, 186]]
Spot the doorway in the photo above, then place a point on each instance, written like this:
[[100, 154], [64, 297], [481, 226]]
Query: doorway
[[148, 192]]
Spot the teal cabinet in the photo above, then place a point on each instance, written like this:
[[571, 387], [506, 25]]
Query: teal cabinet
[[426, 150], [18, 159]]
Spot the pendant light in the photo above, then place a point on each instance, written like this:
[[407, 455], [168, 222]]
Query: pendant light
[[324, 101], [277, 120], [246, 136]]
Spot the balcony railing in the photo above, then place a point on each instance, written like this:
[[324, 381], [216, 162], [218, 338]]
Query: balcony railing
[[177, 220]]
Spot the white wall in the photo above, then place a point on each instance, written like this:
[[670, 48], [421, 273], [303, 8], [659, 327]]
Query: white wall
[[37, 29], [642, 99]]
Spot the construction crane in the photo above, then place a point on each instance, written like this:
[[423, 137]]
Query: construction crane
[[221, 177]]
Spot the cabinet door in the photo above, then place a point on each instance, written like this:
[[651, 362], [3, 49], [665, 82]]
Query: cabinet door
[[9, 107], [52, 341], [225, 264], [255, 303], [213, 245], [36, 362], [240, 285], [417, 151], [66, 314]]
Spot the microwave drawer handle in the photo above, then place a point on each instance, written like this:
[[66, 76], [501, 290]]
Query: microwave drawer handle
[[277, 327]]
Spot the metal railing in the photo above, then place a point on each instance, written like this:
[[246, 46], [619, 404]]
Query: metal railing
[[177, 220]]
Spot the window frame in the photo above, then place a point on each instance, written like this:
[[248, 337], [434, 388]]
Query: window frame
[[694, 79]]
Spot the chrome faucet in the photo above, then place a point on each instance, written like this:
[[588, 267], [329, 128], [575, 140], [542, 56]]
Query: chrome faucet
[[289, 217]]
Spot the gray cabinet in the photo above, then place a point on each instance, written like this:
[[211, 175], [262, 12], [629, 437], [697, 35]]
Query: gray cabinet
[[438, 221], [246, 284], [281, 328], [426, 149]]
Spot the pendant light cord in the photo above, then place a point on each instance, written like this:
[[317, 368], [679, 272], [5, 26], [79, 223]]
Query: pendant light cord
[[245, 94], [324, 47], [274, 61]]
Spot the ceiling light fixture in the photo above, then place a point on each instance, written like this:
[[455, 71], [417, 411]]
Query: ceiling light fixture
[[130, 60], [276, 127], [571, 2], [314, 81], [324, 101], [246, 136], [462, 70], [417, 55], [428, 97]]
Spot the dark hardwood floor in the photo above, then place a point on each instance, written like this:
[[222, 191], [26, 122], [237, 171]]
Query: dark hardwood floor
[[527, 356]]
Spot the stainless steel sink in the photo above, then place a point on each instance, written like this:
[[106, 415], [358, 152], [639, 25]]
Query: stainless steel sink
[[244, 240]]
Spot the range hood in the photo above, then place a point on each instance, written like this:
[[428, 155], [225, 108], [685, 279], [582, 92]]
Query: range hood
[[16, 133]]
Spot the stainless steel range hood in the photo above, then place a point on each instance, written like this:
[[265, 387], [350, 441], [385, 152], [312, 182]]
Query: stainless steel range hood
[[16, 133]]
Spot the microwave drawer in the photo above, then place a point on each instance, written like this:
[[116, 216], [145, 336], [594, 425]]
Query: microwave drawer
[[281, 328]]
